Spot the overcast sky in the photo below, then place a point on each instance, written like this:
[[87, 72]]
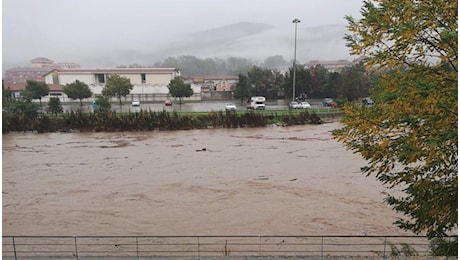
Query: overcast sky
[[67, 30]]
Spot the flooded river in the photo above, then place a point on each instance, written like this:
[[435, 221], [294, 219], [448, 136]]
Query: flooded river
[[257, 181]]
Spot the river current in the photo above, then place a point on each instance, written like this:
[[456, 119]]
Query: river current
[[249, 181]]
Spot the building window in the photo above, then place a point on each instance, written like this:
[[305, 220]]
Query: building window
[[143, 77], [100, 78]]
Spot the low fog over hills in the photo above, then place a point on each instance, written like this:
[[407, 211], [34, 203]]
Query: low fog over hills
[[255, 41]]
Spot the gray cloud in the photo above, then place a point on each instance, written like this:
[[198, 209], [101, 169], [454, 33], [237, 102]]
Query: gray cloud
[[112, 32]]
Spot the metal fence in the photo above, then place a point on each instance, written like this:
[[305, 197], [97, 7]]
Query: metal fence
[[135, 247]]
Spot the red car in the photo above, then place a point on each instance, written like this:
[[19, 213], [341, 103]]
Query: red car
[[168, 103]]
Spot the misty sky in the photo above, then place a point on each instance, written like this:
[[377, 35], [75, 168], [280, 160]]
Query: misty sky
[[83, 30]]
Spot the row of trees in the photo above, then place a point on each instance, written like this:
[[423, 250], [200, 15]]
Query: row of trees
[[192, 66], [116, 86], [316, 82]]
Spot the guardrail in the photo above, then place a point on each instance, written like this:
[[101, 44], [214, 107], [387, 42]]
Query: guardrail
[[135, 247]]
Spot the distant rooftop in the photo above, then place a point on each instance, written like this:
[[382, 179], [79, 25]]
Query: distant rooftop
[[115, 70], [42, 60]]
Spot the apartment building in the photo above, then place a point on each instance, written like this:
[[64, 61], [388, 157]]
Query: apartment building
[[149, 84]]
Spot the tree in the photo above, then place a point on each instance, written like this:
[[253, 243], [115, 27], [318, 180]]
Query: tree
[[54, 105], [117, 86], [274, 62], [36, 90], [355, 82], [77, 90], [102, 104], [7, 96], [409, 137], [177, 88], [303, 82], [242, 88], [24, 108]]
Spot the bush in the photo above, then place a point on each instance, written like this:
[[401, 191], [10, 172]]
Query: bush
[[444, 246]]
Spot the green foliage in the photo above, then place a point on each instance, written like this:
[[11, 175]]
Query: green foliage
[[54, 105], [117, 86], [405, 250], [78, 90], [444, 246], [355, 82], [409, 137], [177, 88], [102, 104], [193, 66], [36, 90], [275, 62], [106, 120], [259, 82], [242, 88], [21, 115], [24, 108], [303, 82], [7, 96]]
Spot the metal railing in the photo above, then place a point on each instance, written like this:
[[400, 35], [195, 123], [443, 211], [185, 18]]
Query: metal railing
[[135, 247]]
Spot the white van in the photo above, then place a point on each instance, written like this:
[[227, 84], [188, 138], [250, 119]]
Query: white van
[[257, 103]]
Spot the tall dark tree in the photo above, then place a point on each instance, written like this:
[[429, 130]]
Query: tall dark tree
[[117, 86], [319, 80], [242, 90], [275, 62], [55, 106], [78, 90], [333, 87], [355, 82], [7, 96], [302, 82], [36, 90], [179, 89]]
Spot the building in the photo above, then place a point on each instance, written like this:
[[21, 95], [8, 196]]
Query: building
[[36, 71], [149, 84], [214, 87], [20, 75], [41, 62], [330, 65], [56, 90]]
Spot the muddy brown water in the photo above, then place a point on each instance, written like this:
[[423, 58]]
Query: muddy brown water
[[248, 181]]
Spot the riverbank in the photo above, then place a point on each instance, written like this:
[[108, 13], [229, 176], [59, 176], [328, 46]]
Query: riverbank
[[158, 120]]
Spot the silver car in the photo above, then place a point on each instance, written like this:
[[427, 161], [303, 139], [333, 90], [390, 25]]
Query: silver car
[[305, 105], [230, 107]]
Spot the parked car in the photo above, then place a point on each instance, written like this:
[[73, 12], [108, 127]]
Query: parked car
[[230, 107], [294, 105], [305, 105], [136, 103], [168, 103], [327, 102], [368, 102]]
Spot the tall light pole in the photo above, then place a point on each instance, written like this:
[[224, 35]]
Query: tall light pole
[[295, 21]]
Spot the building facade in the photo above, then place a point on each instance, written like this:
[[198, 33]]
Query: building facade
[[214, 87], [36, 71], [149, 84], [330, 65]]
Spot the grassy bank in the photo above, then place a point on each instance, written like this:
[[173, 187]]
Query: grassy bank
[[157, 120]]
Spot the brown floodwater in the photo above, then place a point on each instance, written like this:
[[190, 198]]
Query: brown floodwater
[[248, 181]]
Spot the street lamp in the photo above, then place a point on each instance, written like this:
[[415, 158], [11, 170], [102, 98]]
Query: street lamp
[[295, 21]]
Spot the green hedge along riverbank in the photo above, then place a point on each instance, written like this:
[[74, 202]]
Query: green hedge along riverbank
[[153, 120]]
